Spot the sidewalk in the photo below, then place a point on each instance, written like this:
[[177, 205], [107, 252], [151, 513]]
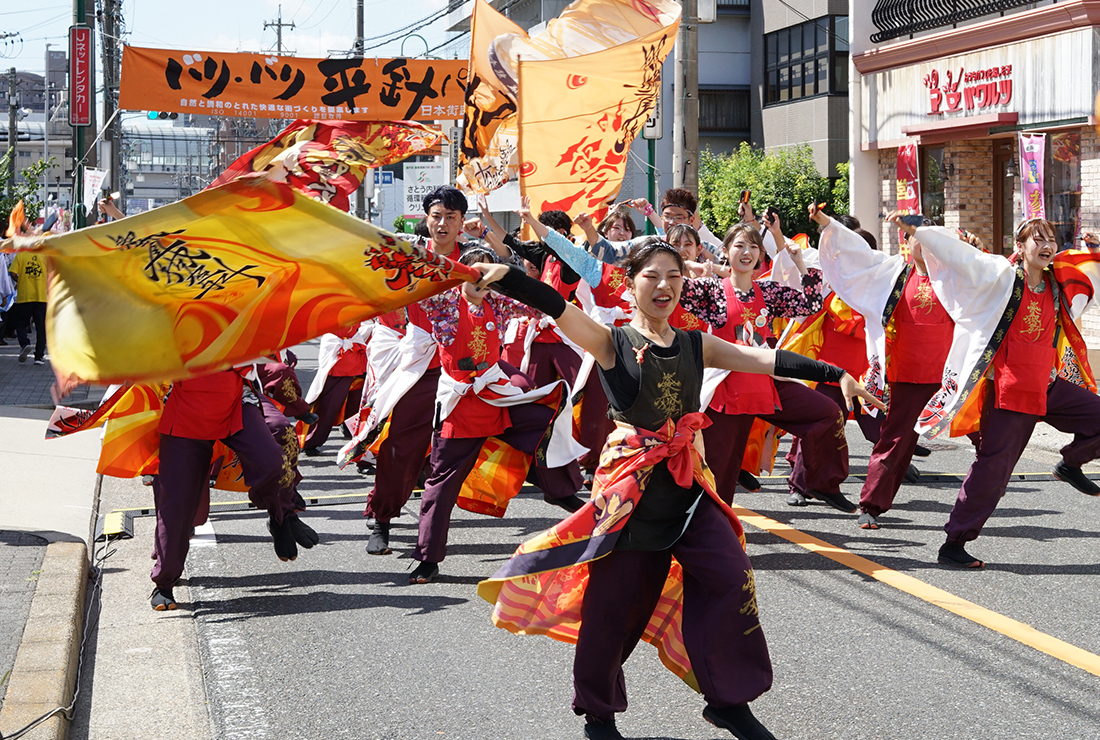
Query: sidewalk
[[47, 499]]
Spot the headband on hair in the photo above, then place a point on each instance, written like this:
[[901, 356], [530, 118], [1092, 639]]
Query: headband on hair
[[1022, 224], [477, 249]]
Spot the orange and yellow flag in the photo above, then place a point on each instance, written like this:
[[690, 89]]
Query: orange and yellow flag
[[327, 160], [487, 158], [587, 84], [219, 279], [560, 109]]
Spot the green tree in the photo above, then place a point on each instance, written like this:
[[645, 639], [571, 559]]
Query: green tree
[[785, 179], [27, 191], [841, 202]]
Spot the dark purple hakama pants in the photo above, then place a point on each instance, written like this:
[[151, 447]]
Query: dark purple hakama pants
[[183, 480]]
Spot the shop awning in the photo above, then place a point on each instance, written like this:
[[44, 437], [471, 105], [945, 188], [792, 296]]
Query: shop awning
[[953, 129]]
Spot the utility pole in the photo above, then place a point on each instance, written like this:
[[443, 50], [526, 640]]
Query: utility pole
[[685, 128], [361, 193], [111, 72], [46, 128], [279, 26], [13, 133]]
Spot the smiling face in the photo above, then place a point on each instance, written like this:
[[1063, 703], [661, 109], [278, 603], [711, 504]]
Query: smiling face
[[444, 226], [657, 285], [688, 246], [1036, 245], [743, 253], [617, 231]]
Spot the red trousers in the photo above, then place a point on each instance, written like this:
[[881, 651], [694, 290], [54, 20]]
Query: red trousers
[[1004, 435], [336, 395], [453, 458], [182, 483], [721, 629]]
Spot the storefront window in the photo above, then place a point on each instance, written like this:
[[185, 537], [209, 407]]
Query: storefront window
[[1063, 185], [931, 183]]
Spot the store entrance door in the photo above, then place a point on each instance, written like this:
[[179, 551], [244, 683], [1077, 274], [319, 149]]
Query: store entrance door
[[1004, 210]]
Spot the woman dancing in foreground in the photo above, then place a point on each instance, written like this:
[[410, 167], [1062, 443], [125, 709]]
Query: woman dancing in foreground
[[653, 500]]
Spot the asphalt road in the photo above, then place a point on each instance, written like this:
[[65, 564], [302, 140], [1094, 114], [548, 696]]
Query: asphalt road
[[337, 645]]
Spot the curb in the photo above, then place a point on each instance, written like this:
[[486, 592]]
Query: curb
[[44, 675]]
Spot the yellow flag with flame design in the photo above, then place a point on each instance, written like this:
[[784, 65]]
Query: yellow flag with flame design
[[576, 94], [221, 278]]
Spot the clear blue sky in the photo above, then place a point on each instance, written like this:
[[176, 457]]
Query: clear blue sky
[[322, 26]]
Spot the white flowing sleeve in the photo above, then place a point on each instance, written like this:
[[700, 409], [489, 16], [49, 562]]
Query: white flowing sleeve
[[862, 277], [974, 287]]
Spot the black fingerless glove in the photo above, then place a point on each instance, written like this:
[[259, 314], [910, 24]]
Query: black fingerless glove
[[518, 285], [793, 365]]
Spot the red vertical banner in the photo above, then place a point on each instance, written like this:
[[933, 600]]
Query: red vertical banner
[[80, 76], [908, 179]]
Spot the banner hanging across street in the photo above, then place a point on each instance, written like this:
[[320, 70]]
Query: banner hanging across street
[[270, 86]]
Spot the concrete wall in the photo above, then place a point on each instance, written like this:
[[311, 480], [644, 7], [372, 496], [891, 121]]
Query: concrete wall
[[821, 122]]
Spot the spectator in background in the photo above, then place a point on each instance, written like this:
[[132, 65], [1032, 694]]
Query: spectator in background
[[28, 272]]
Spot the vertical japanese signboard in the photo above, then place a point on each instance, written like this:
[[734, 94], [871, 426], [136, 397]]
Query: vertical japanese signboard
[[420, 178], [80, 76], [1032, 158]]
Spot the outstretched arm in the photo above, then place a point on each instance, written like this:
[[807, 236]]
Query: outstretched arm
[[781, 363], [573, 322]]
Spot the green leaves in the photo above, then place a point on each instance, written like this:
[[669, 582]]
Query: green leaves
[[27, 191], [785, 179]]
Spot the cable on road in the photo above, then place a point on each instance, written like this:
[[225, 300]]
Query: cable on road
[[99, 556]]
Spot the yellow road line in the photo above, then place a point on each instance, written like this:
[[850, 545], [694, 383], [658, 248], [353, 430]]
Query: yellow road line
[[1007, 626]]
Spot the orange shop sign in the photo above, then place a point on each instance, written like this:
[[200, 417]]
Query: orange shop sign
[[271, 86]]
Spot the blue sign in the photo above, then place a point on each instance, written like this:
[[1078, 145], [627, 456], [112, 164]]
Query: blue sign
[[383, 177]]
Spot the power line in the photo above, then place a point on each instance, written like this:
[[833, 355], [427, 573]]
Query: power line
[[462, 34], [415, 26]]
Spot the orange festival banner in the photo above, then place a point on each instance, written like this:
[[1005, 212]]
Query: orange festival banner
[[219, 279], [583, 88], [272, 86]]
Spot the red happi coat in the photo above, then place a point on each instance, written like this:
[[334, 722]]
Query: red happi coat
[[745, 393], [551, 275], [476, 342], [610, 292], [1025, 361], [922, 333]]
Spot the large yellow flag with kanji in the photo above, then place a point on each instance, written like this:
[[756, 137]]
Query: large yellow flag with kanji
[[221, 278], [583, 88]]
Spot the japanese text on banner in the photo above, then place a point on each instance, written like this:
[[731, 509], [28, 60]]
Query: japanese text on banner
[[269, 86]]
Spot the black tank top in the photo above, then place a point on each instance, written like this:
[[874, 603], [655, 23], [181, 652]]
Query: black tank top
[[666, 385]]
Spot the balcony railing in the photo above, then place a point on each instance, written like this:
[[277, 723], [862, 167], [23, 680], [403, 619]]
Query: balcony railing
[[897, 18]]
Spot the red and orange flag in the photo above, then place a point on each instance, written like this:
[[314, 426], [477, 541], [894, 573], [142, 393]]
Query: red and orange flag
[[327, 160]]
